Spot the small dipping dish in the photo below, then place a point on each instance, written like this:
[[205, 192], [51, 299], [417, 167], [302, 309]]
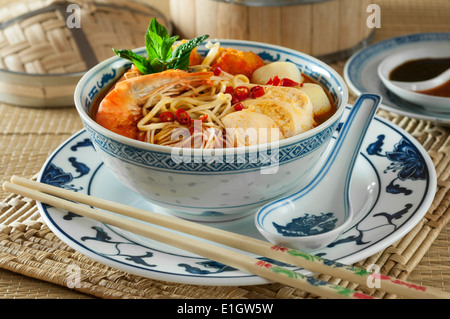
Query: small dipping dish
[[413, 88]]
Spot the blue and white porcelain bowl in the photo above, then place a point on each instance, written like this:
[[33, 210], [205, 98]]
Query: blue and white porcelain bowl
[[218, 185]]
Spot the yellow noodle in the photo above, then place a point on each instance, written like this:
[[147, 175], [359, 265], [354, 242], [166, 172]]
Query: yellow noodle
[[198, 101]]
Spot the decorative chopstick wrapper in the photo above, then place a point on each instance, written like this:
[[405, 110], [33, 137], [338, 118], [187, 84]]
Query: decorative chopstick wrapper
[[290, 256], [233, 259]]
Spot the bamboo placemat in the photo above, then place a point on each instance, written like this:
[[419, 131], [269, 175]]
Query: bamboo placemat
[[34, 262]]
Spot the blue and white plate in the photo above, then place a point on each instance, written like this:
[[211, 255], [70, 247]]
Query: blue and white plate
[[360, 73], [393, 186]]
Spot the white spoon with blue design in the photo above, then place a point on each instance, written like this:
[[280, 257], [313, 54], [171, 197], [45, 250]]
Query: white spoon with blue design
[[315, 216]]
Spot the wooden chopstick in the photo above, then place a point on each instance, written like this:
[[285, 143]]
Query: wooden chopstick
[[222, 255], [291, 256]]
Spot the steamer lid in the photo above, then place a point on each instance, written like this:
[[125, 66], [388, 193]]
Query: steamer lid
[[47, 46]]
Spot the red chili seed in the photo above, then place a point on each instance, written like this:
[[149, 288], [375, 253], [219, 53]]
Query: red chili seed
[[288, 82], [242, 93], [234, 99], [257, 91], [276, 80], [183, 117], [229, 90], [238, 107], [217, 70], [166, 117]]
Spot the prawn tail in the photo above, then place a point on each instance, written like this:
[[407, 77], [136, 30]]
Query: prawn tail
[[113, 116]]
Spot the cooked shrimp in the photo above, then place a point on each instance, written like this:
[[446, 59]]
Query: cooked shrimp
[[120, 109]]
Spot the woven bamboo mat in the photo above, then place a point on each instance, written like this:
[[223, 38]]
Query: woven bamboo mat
[[34, 262]]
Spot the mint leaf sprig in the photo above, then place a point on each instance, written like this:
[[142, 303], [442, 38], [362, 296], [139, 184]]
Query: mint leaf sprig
[[160, 55]]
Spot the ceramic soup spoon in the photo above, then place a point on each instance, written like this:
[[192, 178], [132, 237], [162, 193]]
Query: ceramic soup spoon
[[315, 216]]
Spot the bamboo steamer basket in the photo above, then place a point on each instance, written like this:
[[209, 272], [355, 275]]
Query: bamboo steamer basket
[[42, 58], [327, 29]]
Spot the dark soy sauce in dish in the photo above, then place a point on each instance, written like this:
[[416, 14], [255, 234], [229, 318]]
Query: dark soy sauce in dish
[[419, 70], [422, 70], [442, 90]]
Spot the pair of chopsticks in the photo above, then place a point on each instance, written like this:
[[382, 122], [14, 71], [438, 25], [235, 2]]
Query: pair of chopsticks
[[69, 200]]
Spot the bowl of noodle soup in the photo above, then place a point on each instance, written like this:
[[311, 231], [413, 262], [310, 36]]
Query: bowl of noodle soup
[[212, 184]]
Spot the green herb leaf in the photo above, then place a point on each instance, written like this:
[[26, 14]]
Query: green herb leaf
[[166, 50], [161, 65], [141, 63], [157, 28], [183, 52], [161, 56]]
